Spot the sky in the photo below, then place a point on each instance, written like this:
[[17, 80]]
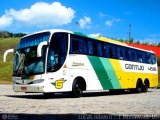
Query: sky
[[109, 18]]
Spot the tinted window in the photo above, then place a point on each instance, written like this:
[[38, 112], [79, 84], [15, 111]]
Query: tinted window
[[74, 49], [112, 52], [141, 56], [57, 51], [153, 58], [90, 47], [121, 53], [132, 55], [82, 46], [78, 45], [109, 51], [97, 48]]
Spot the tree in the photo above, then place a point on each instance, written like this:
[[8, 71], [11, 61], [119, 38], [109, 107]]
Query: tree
[[4, 34], [138, 42], [131, 40]]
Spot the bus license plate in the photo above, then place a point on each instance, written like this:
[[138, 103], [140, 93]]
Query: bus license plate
[[24, 88]]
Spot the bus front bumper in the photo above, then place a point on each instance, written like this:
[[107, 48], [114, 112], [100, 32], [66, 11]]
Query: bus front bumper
[[29, 88]]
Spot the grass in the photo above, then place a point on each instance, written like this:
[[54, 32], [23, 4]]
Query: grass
[[6, 68]]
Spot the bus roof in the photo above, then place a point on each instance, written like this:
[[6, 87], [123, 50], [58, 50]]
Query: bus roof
[[51, 31]]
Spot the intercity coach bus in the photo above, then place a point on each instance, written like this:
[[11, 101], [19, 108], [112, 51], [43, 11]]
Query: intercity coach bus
[[55, 60]]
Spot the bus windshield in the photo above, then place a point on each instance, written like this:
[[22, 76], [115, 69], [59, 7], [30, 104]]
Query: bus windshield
[[57, 51], [26, 61]]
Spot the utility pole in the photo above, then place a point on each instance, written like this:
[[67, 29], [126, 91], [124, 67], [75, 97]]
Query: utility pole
[[129, 33]]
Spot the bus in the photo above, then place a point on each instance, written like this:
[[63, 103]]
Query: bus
[[53, 61]]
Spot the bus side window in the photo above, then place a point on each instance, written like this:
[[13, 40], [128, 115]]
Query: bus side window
[[153, 58], [112, 52], [121, 53], [106, 54], [74, 46], [132, 55], [139, 55], [127, 55], [82, 46], [148, 58], [97, 49], [90, 47]]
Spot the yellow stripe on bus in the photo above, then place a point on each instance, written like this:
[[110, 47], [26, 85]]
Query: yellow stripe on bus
[[110, 40], [129, 79]]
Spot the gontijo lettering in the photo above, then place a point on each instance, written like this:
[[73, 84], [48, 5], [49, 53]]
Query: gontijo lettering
[[134, 67]]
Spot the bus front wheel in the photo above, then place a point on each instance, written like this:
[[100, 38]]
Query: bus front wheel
[[77, 88]]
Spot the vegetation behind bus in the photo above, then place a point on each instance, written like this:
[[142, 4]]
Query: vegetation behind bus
[[6, 68]]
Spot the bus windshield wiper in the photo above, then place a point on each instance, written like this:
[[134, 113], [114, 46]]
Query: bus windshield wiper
[[19, 66]]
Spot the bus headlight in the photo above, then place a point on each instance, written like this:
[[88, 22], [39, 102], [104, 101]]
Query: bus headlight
[[38, 81]]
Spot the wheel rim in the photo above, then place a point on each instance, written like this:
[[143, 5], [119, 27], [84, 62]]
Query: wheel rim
[[146, 86], [78, 89], [139, 87]]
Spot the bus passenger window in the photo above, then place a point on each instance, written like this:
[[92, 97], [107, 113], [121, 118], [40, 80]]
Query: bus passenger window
[[112, 53], [121, 53], [153, 59], [99, 49], [132, 55], [139, 55], [82, 46], [74, 46], [148, 58], [106, 51], [90, 48]]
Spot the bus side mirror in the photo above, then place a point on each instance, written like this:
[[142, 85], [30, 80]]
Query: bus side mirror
[[39, 48], [6, 53]]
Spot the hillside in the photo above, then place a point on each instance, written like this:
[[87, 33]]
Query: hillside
[[6, 68]]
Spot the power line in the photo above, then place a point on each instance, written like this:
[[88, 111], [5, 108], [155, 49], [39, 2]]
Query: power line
[[129, 33]]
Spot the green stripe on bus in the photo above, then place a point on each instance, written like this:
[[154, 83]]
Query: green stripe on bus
[[111, 73], [100, 72]]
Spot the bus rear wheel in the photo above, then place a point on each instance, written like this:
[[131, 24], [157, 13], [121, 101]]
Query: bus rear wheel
[[77, 88], [139, 86], [145, 86]]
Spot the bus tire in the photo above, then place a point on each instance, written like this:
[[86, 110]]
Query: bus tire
[[77, 89], [145, 85], [48, 95], [139, 86]]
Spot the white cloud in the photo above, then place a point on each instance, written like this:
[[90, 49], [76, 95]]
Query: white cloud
[[83, 22], [94, 35], [110, 23], [102, 14], [39, 14], [128, 13], [5, 21]]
